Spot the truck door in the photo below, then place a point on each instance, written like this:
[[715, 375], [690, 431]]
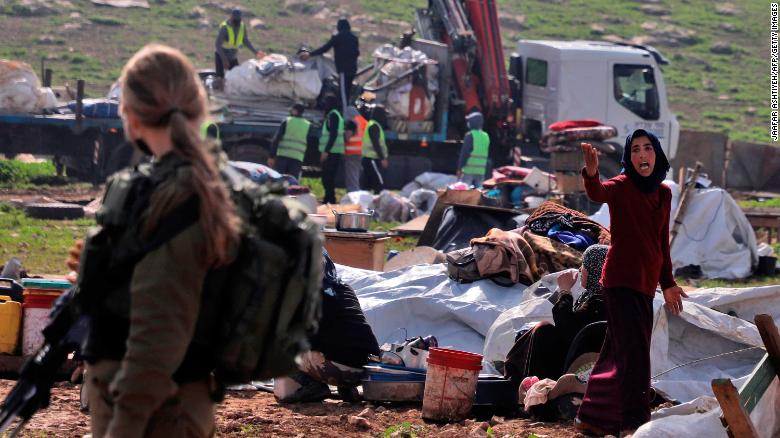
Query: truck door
[[635, 103], [539, 93]]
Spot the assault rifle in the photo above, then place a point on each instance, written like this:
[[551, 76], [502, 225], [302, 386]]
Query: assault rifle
[[36, 377]]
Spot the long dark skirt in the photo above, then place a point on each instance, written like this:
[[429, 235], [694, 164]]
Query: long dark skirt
[[618, 393]]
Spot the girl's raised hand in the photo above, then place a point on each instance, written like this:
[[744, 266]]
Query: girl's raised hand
[[591, 159]]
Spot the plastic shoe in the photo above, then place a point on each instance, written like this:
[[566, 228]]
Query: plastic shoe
[[349, 394], [591, 430]]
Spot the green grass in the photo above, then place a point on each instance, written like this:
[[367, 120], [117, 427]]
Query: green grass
[[109, 36], [41, 245], [17, 174], [754, 281], [405, 430], [754, 203]]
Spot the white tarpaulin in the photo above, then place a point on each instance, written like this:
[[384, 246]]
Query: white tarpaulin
[[714, 234], [424, 301], [483, 316], [277, 76]]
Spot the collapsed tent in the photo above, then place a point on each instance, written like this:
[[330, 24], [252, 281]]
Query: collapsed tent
[[482, 316], [278, 76], [714, 235]]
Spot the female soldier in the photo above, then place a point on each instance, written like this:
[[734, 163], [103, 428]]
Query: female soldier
[[144, 377]]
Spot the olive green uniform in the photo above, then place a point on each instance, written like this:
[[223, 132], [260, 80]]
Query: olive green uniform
[[138, 396]]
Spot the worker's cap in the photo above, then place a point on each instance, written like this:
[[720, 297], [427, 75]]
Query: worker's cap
[[298, 107], [235, 13]]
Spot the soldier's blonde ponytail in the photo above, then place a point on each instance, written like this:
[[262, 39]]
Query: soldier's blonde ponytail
[[162, 88]]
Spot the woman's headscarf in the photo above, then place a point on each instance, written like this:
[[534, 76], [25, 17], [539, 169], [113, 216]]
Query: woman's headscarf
[[593, 260], [645, 184]]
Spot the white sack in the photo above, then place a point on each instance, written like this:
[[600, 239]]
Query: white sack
[[275, 76], [19, 87]]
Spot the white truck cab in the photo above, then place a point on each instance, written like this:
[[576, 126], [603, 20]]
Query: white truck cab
[[618, 85]]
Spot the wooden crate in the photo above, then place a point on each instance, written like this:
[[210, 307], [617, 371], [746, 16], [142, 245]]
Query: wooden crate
[[359, 250], [567, 161], [569, 182]]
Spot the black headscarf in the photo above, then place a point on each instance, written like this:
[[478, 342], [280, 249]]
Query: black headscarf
[[645, 184], [342, 26]]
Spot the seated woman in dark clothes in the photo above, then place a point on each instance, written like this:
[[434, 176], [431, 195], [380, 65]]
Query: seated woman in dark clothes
[[541, 351], [339, 349]]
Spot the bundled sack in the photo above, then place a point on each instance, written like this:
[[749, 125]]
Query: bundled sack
[[550, 214], [390, 207], [20, 89], [397, 68], [278, 77]]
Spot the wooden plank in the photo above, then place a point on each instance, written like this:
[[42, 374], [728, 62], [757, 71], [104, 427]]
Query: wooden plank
[[757, 384], [684, 199], [413, 227], [736, 420], [771, 337]]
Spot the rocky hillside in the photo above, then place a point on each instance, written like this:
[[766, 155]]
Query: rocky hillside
[[718, 79]]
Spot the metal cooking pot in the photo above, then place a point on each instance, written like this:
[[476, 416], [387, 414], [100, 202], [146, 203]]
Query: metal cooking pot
[[353, 221]]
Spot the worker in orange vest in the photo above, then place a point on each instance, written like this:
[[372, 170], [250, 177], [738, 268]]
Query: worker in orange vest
[[353, 150]]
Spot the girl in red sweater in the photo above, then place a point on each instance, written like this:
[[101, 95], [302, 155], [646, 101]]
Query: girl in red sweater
[[618, 395]]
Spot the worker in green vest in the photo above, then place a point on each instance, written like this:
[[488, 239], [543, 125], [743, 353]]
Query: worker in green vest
[[331, 148], [375, 151], [209, 130], [231, 37], [289, 144], [473, 163]]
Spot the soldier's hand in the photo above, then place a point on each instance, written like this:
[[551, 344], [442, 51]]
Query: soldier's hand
[[591, 159], [73, 260], [385, 164], [271, 162], [323, 157], [459, 174]]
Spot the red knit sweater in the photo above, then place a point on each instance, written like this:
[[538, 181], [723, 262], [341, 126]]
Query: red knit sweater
[[638, 257]]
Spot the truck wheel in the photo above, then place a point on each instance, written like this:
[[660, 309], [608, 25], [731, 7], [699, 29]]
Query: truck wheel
[[252, 153], [58, 211]]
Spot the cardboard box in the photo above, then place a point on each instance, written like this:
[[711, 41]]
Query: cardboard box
[[569, 182]]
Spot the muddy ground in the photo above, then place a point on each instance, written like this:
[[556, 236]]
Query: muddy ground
[[257, 414]]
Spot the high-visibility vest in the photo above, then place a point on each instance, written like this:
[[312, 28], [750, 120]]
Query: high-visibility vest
[[338, 144], [476, 164], [293, 144], [354, 145], [233, 42], [368, 146], [204, 130]]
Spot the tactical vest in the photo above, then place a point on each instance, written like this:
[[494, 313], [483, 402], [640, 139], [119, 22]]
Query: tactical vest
[[233, 42], [354, 145], [477, 161], [257, 313], [204, 130], [293, 144], [368, 146], [338, 144]]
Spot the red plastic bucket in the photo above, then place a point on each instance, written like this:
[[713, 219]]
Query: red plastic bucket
[[450, 384], [38, 301]]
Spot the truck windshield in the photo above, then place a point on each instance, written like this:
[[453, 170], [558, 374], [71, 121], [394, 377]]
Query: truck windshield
[[636, 90]]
